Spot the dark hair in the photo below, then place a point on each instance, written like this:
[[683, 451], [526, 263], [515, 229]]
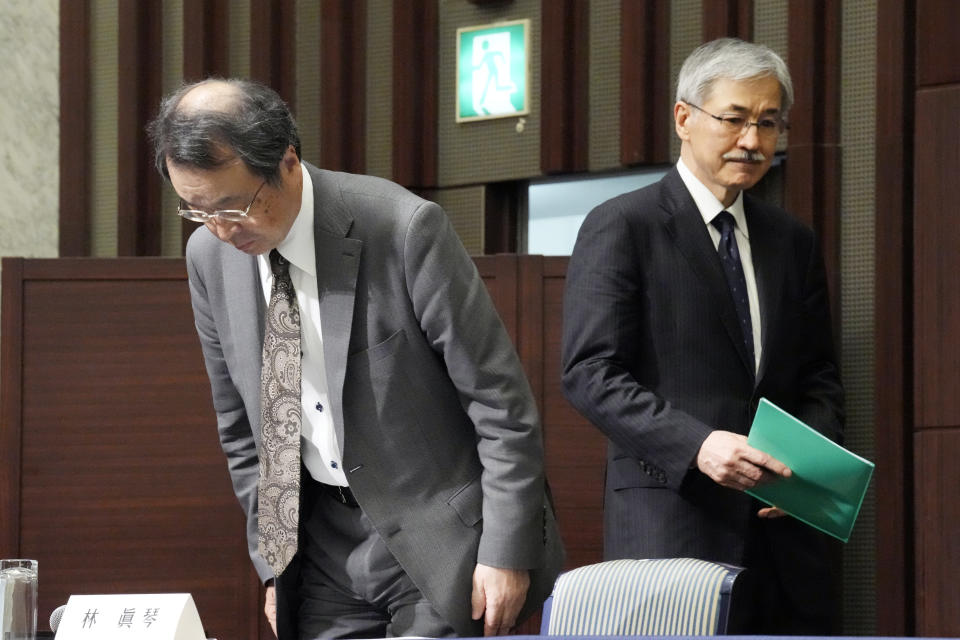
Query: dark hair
[[256, 126]]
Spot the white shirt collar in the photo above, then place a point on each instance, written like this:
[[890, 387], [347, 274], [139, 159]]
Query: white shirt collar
[[297, 247], [707, 203]]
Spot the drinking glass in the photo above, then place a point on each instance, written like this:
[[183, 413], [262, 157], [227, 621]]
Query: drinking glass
[[18, 599]]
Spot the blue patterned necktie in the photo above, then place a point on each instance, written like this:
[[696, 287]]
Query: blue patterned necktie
[[733, 270], [279, 486]]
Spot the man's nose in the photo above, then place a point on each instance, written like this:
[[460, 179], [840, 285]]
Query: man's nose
[[223, 229], [749, 137]]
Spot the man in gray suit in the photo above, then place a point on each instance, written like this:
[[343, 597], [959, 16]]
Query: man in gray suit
[[686, 302], [421, 505]]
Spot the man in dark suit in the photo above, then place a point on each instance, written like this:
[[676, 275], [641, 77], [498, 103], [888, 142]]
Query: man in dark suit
[[686, 302], [379, 430]]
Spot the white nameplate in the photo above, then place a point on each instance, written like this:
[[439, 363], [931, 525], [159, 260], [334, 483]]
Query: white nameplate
[[138, 616]]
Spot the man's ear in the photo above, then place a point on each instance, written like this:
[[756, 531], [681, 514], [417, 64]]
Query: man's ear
[[289, 158], [681, 115]]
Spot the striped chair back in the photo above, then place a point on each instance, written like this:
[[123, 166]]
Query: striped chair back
[[675, 596]]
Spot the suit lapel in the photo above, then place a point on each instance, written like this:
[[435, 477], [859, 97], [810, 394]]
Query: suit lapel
[[338, 264], [768, 266], [686, 226]]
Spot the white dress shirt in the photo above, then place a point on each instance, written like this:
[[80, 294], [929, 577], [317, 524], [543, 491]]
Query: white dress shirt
[[319, 450], [709, 207]]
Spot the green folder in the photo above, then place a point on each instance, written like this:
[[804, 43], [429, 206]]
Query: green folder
[[828, 481]]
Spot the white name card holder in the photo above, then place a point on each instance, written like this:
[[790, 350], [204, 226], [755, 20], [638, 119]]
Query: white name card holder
[[138, 616]]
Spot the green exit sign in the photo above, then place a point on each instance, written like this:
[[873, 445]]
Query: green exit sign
[[493, 70]]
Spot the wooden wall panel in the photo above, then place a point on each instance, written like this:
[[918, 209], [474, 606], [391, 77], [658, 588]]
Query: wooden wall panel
[[727, 18], [74, 236], [645, 102], [343, 85], [11, 415], [564, 62], [123, 485], [139, 81], [205, 34], [415, 92], [273, 36], [936, 35], [813, 149], [936, 259], [893, 318], [938, 546]]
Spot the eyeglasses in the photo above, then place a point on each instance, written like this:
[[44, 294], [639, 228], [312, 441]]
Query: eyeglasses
[[228, 215], [767, 127]]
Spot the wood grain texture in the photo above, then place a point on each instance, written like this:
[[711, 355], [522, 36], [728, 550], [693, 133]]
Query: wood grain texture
[[564, 66], [205, 39], [936, 35], [123, 485], [11, 382], [415, 86], [936, 259], [645, 103], [935, 523], [273, 36], [343, 85], [74, 239], [727, 18], [893, 318], [139, 88], [813, 146]]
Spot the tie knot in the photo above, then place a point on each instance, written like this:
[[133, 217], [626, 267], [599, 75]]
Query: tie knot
[[279, 265], [724, 221]]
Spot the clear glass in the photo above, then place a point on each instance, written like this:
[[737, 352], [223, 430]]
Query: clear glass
[[18, 599]]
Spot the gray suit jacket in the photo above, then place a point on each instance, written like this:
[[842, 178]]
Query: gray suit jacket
[[440, 433], [654, 357]]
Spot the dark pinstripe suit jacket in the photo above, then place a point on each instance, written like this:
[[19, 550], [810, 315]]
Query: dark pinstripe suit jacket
[[653, 356]]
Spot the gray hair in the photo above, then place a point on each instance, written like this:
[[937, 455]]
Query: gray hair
[[733, 59], [256, 126]]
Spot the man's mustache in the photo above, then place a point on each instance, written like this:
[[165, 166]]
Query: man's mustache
[[749, 156]]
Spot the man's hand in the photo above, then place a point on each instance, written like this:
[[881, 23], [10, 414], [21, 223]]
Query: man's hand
[[498, 596], [771, 512], [728, 460], [270, 607]]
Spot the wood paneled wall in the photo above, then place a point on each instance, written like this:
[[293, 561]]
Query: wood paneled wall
[[563, 142], [645, 82], [813, 149], [893, 330], [936, 328], [113, 477], [918, 318]]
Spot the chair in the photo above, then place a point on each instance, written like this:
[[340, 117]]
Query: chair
[[675, 596]]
